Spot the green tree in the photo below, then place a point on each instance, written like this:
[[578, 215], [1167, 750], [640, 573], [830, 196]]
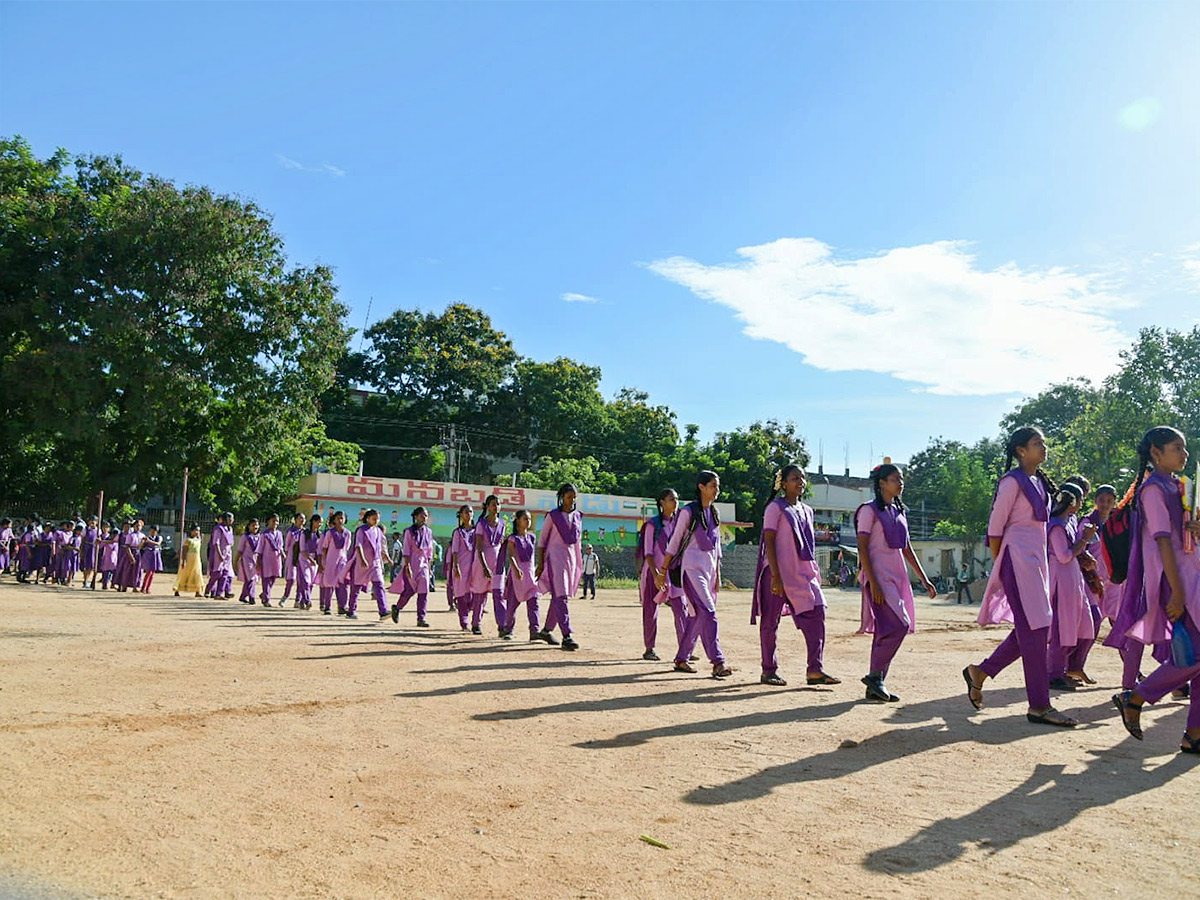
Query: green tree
[[549, 409], [438, 361], [149, 327], [584, 473], [1053, 410], [747, 459]]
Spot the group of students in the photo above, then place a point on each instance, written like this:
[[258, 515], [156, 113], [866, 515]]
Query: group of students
[[98, 553], [1053, 577], [484, 562], [1054, 580], [680, 554]]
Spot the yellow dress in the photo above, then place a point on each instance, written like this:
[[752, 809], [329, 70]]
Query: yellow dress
[[190, 578]]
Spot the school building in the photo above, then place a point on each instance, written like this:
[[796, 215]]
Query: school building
[[608, 521]]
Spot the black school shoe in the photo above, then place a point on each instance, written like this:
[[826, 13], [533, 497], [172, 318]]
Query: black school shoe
[[651, 656], [568, 643], [876, 689], [396, 613], [546, 636], [476, 630], [1062, 684]]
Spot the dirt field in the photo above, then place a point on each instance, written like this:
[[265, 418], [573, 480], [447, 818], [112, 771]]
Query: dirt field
[[162, 747]]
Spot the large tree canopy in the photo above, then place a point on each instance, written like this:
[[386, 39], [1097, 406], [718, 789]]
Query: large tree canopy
[[146, 327]]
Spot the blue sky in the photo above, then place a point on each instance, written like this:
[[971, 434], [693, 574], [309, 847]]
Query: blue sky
[[946, 205]]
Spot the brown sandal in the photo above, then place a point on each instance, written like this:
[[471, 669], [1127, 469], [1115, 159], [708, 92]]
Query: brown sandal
[[721, 671], [685, 667]]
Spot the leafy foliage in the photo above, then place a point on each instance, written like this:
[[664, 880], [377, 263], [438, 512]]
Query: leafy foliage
[[150, 327]]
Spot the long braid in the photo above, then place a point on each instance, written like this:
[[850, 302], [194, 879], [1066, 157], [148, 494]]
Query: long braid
[[1159, 436], [1143, 451]]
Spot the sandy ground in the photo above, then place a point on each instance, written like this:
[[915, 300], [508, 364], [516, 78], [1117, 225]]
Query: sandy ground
[[162, 747]]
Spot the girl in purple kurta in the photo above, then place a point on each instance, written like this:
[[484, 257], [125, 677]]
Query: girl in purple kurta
[[487, 571], [333, 563], [270, 557], [126, 575], [459, 562], [291, 555], [1162, 592], [71, 548], [1071, 624], [696, 542], [651, 551], [413, 578], [87, 553], [58, 539], [787, 579], [150, 557], [560, 563], [220, 558], [885, 555], [106, 554], [520, 584], [245, 561], [1018, 590], [367, 560], [308, 547]]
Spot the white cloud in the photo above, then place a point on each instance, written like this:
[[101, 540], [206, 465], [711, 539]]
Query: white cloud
[[1190, 260], [324, 169], [1140, 114], [579, 298], [924, 314]]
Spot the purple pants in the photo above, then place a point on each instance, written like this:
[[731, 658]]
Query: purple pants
[[303, 589], [268, 582], [422, 602], [559, 616], [1028, 644], [1077, 658], [702, 625], [287, 590], [1169, 677], [498, 611], [890, 633], [531, 610], [810, 623], [377, 592], [248, 589], [327, 597], [478, 605], [466, 604], [650, 621]]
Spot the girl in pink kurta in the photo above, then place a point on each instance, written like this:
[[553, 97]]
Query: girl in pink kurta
[[788, 580], [1018, 589], [885, 555], [652, 550], [308, 547], [333, 563], [367, 560], [560, 564], [270, 557], [1072, 621], [413, 577], [520, 585], [460, 559], [487, 572], [1163, 589], [246, 561], [696, 544], [291, 555], [106, 554]]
